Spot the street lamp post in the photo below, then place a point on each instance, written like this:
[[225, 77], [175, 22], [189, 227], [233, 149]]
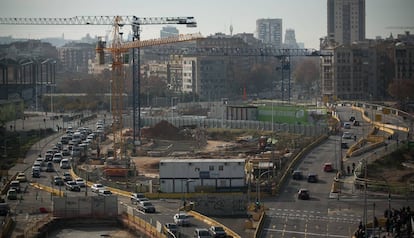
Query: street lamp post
[[258, 186], [389, 198], [172, 109], [223, 109], [110, 96], [365, 196], [187, 181]]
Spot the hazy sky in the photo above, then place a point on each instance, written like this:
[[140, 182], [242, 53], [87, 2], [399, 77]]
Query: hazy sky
[[306, 17]]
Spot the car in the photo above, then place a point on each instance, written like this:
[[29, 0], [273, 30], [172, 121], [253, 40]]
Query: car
[[136, 197], [217, 232], [66, 152], [50, 167], [96, 187], [37, 165], [171, 228], [303, 194], [104, 192], [15, 184], [72, 186], [312, 178], [201, 233], [356, 123], [344, 145], [352, 118], [347, 135], [21, 177], [58, 181], [67, 176], [35, 173], [347, 125], [64, 164], [182, 219], [146, 206], [40, 161], [12, 194], [57, 157], [49, 155], [80, 182], [4, 208], [328, 167], [297, 175]]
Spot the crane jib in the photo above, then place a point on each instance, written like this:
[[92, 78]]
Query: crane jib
[[97, 20]]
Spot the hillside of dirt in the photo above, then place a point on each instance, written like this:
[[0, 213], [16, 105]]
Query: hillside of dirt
[[397, 168]]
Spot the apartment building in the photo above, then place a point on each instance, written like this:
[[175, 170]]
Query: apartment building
[[364, 69], [346, 21], [270, 31], [75, 57]]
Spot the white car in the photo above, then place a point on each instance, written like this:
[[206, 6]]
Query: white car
[[347, 135], [182, 219], [80, 182], [64, 164], [57, 157], [104, 192], [96, 187]]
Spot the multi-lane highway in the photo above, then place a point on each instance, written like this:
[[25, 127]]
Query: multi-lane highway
[[27, 210]]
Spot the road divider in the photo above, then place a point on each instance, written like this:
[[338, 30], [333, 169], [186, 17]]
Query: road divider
[[54, 191]]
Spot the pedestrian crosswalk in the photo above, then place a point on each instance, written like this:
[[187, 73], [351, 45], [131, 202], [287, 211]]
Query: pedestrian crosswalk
[[311, 215]]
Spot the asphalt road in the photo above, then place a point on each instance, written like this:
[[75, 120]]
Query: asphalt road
[[26, 209], [287, 216], [322, 216]]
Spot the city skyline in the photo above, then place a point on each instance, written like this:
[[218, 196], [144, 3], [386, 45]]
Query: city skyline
[[307, 18]]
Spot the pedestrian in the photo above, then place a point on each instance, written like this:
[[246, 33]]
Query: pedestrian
[[355, 138], [348, 170]]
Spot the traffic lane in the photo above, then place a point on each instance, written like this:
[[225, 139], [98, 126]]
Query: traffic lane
[[313, 162], [299, 223], [165, 211]]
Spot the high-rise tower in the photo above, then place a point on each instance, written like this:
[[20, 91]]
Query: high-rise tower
[[168, 31], [290, 39], [269, 31], [346, 21]]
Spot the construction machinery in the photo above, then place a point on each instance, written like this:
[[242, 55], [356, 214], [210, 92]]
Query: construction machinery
[[118, 48]]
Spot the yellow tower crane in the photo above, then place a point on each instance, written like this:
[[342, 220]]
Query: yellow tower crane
[[118, 49]]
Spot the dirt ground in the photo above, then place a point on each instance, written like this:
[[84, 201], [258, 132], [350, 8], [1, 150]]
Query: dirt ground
[[149, 165]]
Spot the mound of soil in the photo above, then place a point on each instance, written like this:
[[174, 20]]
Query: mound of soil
[[164, 131]]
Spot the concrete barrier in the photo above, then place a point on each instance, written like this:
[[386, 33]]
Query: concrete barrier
[[212, 222], [54, 191]]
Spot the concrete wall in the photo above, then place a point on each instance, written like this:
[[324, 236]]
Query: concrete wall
[[223, 205], [100, 206]]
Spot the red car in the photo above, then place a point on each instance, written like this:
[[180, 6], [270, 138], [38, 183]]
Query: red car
[[328, 167]]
